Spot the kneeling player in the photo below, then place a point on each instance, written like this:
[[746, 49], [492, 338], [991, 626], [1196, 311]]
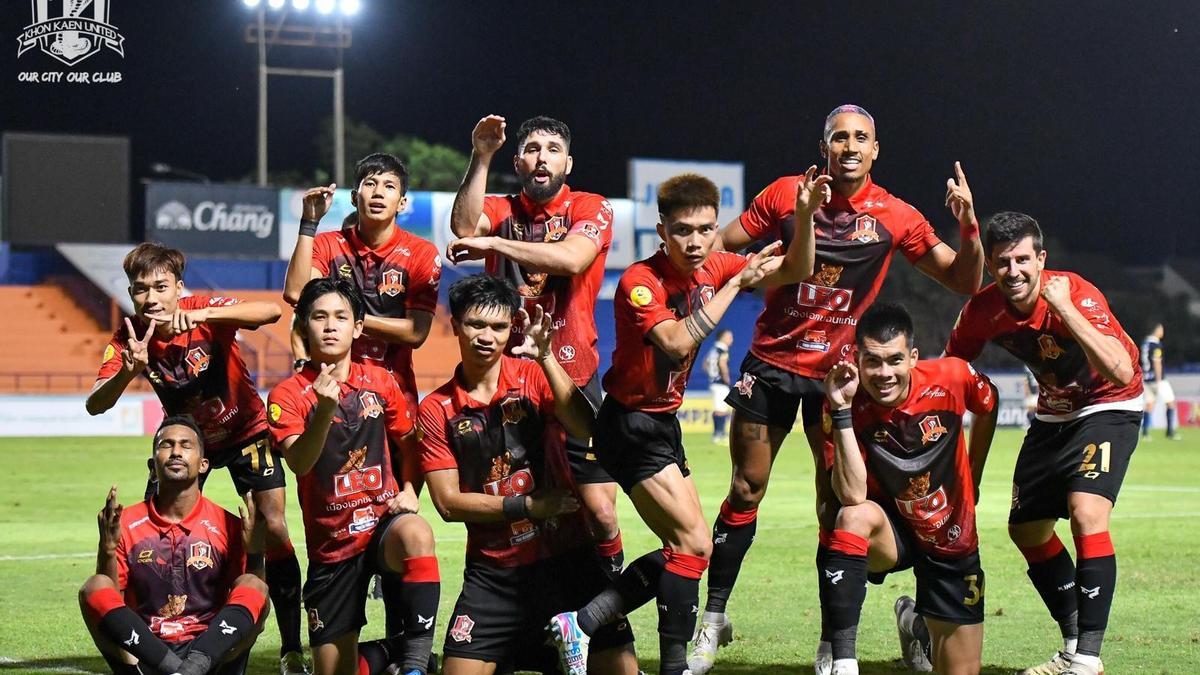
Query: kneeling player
[[346, 431], [908, 488], [495, 458], [170, 593]]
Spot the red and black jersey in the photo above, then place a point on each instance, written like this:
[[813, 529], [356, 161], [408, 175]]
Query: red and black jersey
[[644, 377], [345, 494], [1068, 386], [199, 373], [399, 277], [512, 445], [916, 455], [570, 299], [806, 328], [177, 576]]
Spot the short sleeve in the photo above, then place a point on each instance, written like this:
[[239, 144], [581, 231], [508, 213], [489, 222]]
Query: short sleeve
[[323, 252], [978, 393], [761, 219], [1094, 307], [918, 237], [235, 553], [728, 266], [286, 413], [436, 454], [495, 209], [965, 341], [592, 217], [396, 412], [122, 554], [111, 361], [643, 299], [424, 277]]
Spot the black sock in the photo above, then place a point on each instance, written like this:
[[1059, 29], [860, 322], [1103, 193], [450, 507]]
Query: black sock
[[124, 628], [920, 632], [731, 542], [230, 626], [394, 608], [844, 586], [677, 599], [612, 557], [636, 586], [821, 560], [283, 585], [420, 603], [1170, 422], [1054, 580], [1096, 579]]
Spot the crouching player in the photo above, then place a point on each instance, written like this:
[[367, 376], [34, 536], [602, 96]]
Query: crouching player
[[171, 593], [494, 456], [908, 487], [347, 432]]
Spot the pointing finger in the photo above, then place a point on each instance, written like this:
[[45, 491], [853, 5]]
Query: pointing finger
[[129, 327], [962, 177]]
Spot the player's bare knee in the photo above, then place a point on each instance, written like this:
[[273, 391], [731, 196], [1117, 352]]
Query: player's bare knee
[[95, 583], [603, 513], [1089, 516], [746, 491], [861, 519], [413, 536], [1030, 534], [252, 582]]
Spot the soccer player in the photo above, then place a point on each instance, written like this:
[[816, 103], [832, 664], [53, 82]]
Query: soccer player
[[716, 366], [908, 488], [666, 305], [805, 328], [396, 271], [1152, 375], [551, 242], [345, 429], [186, 347], [171, 592], [1078, 448], [494, 457]]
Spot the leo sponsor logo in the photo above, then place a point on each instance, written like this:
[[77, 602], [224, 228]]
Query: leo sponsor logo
[[371, 407], [392, 283], [461, 630], [200, 556], [197, 361], [1048, 349], [824, 297], [358, 480], [917, 503], [866, 230], [519, 482], [814, 341], [932, 429], [362, 520]]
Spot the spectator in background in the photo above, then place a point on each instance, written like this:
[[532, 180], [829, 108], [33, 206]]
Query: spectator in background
[[716, 366], [1156, 386]]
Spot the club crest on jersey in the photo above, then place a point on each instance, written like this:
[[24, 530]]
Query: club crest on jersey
[[932, 429], [745, 386], [371, 407], [363, 520], [866, 229], [706, 293], [814, 341], [1048, 349], [556, 229], [512, 410], [314, 620], [200, 556], [461, 630], [197, 361], [393, 283]]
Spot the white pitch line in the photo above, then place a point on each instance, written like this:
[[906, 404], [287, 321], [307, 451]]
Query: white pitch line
[[44, 556], [27, 665]]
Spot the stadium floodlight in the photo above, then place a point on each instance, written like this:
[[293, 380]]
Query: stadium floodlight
[[251, 3], [325, 6], [300, 5], [351, 7], [276, 4]]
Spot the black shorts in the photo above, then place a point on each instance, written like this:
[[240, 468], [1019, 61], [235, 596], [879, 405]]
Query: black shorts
[[584, 465], [254, 465], [335, 594], [772, 396], [1088, 454], [633, 445], [501, 613], [948, 589]]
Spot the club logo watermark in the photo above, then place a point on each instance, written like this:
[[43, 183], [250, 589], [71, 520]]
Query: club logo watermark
[[70, 31]]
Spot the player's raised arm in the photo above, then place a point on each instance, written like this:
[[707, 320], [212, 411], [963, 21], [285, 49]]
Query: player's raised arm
[[961, 272], [849, 477], [680, 337], [135, 356], [466, 216], [109, 522], [801, 254], [571, 407], [1105, 353], [300, 270], [303, 451], [241, 314]]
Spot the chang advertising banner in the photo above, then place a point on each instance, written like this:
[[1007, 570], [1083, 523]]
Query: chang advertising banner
[[645, 175], [228, 220], [416, 217]]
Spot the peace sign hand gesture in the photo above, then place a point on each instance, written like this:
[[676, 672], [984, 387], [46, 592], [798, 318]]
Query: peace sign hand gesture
[[136, 355], [812, 193], [760, 265], [109, 522]]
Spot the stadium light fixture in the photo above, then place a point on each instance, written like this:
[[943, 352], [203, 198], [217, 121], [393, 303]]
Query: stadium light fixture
[[301, 5], [351, 7], [276, 4], [325, 6], [251, 3]]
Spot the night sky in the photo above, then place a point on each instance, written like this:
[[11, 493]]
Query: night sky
[[1082, 114]]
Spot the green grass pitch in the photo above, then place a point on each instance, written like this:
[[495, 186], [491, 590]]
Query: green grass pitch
[[50, 490]]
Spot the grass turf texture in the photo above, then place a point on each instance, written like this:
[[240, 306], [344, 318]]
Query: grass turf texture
[[51, 489]]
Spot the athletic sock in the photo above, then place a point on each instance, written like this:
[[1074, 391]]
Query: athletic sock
[[719, 424], [822, 559], [678, 596], [1145, 424], [733, 533], [612, 556], [636, 586], [1170, 422], [844, 587], [1053, 575], [283, 585], [420, 592], [231, 625], [124, 628], [1096, 580]]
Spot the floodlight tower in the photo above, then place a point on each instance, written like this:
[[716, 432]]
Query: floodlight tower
[[328, 31]]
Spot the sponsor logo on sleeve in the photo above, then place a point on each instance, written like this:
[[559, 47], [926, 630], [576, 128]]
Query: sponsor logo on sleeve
[[274, 412], [640, 296], [109, 352]]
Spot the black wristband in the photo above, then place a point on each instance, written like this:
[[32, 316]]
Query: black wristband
[[308, 228], [841, 419], [515, 508]]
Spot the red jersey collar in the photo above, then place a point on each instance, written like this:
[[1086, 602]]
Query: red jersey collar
[[462, 399], [360, 247], [187, 524], [856, 201], [551, 207], [667, 269]]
